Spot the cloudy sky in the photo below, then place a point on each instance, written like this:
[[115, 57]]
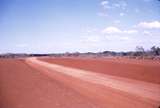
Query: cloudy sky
[[51, 26]]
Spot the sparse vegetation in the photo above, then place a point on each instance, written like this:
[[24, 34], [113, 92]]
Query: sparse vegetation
[[139, 53]]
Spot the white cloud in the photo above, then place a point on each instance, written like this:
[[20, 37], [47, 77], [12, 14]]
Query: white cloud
[[113, 30], [107, 5], [104, 2], [121, 5], [130, 31], [146, 32], [117, 5], [149, 25], [121, 14]]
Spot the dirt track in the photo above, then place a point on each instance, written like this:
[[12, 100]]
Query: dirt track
[[140, 94], [22, 86], [41, 84], [144, 70]]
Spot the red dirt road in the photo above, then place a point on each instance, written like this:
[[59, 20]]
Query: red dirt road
[[105, 90], [144, 70], [22, 86], [79, 83]]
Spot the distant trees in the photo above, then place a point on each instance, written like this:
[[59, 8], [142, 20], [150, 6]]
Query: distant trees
[[155, 51], [139, 51], [152, 53]]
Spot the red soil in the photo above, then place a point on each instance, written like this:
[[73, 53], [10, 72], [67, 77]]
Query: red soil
[[100, 91], [30, 85], [21, 86], [145, 70]]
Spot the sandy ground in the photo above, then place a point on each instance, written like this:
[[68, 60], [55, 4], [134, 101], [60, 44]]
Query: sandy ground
[[79, 83]]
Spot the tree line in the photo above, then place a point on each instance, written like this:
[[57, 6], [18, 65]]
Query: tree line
[[140, 52]]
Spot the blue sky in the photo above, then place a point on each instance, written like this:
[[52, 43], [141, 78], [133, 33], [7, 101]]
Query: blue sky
[[52, 26]]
